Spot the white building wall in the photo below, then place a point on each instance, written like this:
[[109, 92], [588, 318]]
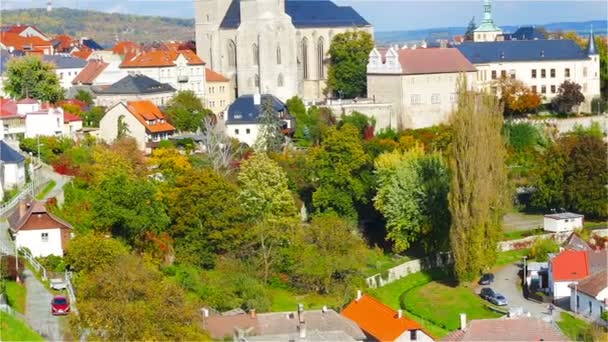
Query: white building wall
[[159, 99], [561, 289], [589, 306], [71, 128], [108, 126], [563, 225], [14, 175], [50, 123], [245, 133], [33, 240], [66, 76]]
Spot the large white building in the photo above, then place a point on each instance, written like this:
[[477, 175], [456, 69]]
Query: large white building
[[66, 68], [272, 46]]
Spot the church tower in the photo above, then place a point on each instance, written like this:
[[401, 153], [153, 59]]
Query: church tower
[[208, 17], [592, 84], [487, 31]]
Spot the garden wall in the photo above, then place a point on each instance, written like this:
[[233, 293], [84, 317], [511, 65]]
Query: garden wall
[[567, 125]]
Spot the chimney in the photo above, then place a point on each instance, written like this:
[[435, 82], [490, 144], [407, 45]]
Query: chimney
[[21, 209], [252, 313], [463, 321], [400, 313], [358, 295], [301, 313], [302, 331]]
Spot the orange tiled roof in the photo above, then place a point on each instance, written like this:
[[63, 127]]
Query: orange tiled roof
[[570, 265], [20, 43], [69, 117], [83, 53], [90, 72], [65, 41], [161, 58], [145, 111], [377, 319], [126, 47], [172, 46], [212, 76]]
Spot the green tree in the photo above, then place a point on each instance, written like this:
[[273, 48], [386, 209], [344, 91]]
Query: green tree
[[84, 96], [264, 189], [602, 47], [568, 95], [93, 116], [270, 137], [186, 112], [347, 73], [31, 77], [122, 129], [87, 252], [359, 120], [549, 178], [478, 193], [542, 247]]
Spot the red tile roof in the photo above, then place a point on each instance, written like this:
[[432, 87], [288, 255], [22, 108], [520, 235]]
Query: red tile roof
[[83, 53], [161, 58], [33, 43], [507, 329], [90, 72], [570, 265], [8, 107], [433, 60], [213, 76], [145, 111], [377, 319], [27, 100], [126, 47], [69, 117], [65, 42]]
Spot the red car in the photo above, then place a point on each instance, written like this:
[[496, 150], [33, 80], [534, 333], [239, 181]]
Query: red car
[[60, 305]]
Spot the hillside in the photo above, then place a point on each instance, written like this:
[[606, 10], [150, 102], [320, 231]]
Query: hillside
[[101, 26]]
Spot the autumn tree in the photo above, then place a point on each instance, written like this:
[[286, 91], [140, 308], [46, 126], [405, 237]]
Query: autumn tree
[[568, 95], [270, 136], [477, 195], [87, 252], [84, 96], [30, 76], [218, 146], [186, 112], [348, 56], [169, 162], [516, 96]]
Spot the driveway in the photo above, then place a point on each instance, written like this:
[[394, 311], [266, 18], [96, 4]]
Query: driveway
[[38, 309]]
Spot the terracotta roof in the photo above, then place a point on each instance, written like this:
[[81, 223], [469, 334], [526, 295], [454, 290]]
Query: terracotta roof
[[23, 43], [65, 42], [174, 46], [433, 60], [8, 107], [126, 47], [594, 284], [145, 111], [83, 53], [597, 260], [570, 265], [69, 117], [18, 222], [161, 58], [90, 72], [27, 100], [212, 76], [220, 327], [20, 28], [377, 319], [507, 329]]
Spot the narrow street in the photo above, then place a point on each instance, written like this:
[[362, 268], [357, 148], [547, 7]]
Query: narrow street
[[38, 309]]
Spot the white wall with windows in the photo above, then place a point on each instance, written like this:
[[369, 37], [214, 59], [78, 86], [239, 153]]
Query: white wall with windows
[[40, 242], [589, 306], [245, 133]]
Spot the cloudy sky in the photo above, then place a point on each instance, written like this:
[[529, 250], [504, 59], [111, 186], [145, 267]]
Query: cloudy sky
[[385, 15]]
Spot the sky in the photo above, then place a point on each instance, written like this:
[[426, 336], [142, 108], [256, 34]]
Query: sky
[[385, 15]]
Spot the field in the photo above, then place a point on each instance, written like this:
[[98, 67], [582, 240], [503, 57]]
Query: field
[[579, 330], [15, 294], [13, 329]]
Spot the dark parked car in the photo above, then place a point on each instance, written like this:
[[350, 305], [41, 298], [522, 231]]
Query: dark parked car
[[486, 279], [486, 293], [493, 297], [60, 305]]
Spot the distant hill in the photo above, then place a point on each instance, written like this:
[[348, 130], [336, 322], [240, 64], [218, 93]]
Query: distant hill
[[102, 27], [392, 37]]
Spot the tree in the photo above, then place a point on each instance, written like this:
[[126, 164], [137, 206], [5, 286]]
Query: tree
[[122, 129], [264, 190], [186, 112], [218, 146], [347, 73], [477, 195], [31, 77], [359, 120], [568, 95], [470, 32], [93, 116], [87, 252], [270, 137], [169, 162], [572, 35], [84, 96], [602, 47], [517, 97]]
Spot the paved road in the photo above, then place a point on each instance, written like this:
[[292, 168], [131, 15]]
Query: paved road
[[520, 221], [38, 309]]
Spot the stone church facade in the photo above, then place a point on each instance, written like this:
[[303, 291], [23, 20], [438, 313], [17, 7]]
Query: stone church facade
[[274, 47]]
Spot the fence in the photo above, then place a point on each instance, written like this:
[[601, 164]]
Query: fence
[[28, 190], [39, 268], [71, 293], [407, 268]]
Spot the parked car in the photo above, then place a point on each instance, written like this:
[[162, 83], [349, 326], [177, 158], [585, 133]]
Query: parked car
[[58, 284], [487, 293], [60, 305], [493, 297], [486, 279]]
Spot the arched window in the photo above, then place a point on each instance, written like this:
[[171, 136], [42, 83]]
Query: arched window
[[255, 53], [305, 58], [278, 55], [320, 57], [231, 53], [280, 80]]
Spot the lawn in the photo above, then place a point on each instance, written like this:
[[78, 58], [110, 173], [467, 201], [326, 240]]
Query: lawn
[[510, 257], [46, 190], [578, 330], [13, 329], [442, 304], [284, 300], [381, 263], [15, 294], [519, 234]]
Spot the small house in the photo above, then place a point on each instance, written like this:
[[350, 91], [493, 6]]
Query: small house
[[12, 166], [590, 296], [562, 222]]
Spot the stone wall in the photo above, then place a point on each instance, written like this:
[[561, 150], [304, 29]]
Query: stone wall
[[382, 113], [567, 125], [407, 268]]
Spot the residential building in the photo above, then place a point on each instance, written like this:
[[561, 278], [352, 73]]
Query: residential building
[[183, 70], [44, 121], [127, 48], [66, 68], [527, 33], [25, 31], [298, 325], [562, 222], [25, 39], [381, 323], [219, 94], [12, 122], [506, 329], [542, 65], [590, 296], [133, 88], [12, 167], [36, 229], [99, 73], [566, 268], [272, 47], [72, 124], [141, 120], [242, 120], [420, 83], [487, 31]]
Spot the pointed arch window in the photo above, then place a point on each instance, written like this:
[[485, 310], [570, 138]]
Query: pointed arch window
[[231, 54], [278, 55], [305, 58], [321, 55], [256, 54], [280, 80]]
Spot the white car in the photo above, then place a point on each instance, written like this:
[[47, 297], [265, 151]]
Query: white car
[[58, 284]]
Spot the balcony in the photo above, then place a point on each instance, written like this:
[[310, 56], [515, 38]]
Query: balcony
[[182, 79]]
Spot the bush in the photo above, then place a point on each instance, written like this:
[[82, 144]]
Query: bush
[[541, 248], [52, 263]]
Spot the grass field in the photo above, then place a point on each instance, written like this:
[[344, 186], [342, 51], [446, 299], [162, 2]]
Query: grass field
[[383, 262], [46, 190], [574, 328], [519, 234], [284, 300], [13, 329], [15, 294], [509, 257]]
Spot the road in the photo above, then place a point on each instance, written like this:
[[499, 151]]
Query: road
[[38, 309]]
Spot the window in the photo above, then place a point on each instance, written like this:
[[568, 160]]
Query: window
[[305, 58], [231, 53], [543, 73], [415, 99], [503, 73], [534, 88], [44, 237], [61, 75], [493, 74], [320, 57], [543, 89], [247, 131], [211, 103], [278, 55], [578, 304], [512, 73], [435, 98], [236, 131], [413, 336], [533, 73], [552, 73], [553, 89], [567, 72], [255, 53]]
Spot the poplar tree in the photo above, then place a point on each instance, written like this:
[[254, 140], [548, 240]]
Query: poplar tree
[[478, 186]]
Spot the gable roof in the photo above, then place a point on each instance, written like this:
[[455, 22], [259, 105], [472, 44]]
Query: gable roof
[[597, 260], [570, 265], [90, 72], [244, 111], [310, 13], [63, 42], [18, 42], [575, 243], [8, 107], [507, 329], [69, 117], [161, 58], [91, 44], [377, 319], [212, 76], [83, 53], [521, 51], [594, 284], [146, 111], [527, 33], [124, 47], [65, 62], [8, 155], [136, 84], [435, 60], [18, 222]]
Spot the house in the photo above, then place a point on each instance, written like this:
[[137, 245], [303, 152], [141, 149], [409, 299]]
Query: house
[[25, 39], [183, 70], [487, 31], [242, 120], [219, 94], [66, 68], [124, 48], [133, 88], [44, 121], [566, 268], [562, 222], [575, 243], [12, 121], [81, 52], [590, 296], [505, 329], [99, 73], [141, 120], [36, 229], [302, 325], [381, 323], [63, 43], [25, 31], [420, 83], [72, 124], [12, 166]]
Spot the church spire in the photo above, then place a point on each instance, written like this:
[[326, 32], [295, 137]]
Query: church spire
[[487, 12], [591, 50]]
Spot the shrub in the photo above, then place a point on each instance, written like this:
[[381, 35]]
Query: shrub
[[52, 263], [541, 248]]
